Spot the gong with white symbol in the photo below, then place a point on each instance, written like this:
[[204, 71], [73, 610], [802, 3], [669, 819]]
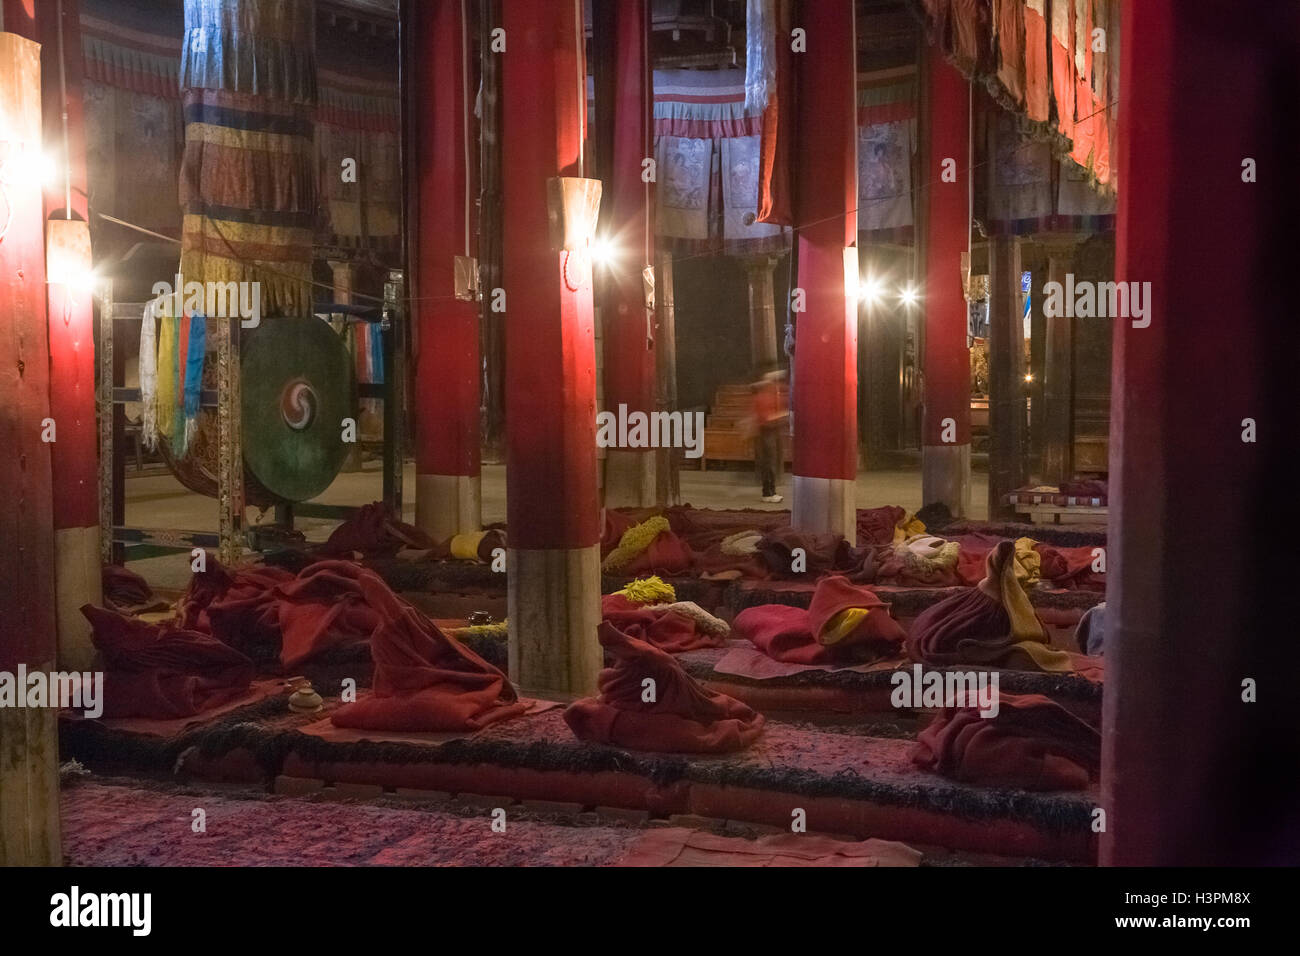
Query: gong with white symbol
[[298, 388]]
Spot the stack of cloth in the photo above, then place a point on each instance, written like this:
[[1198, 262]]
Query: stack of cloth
[[162, 672], [992, 624], [647, 702], [374, 531], [1032, 744], [821, 554], [918, 560], [126, 591], [648, 609], [645, 547], [424, 680], [844, 624]]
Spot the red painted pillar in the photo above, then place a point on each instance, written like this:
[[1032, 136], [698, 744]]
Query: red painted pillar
[[552, 506], [29, 794], [72, 344], [627, 323], [826, 345], [1193, 772], [945, 441], [447, 363]]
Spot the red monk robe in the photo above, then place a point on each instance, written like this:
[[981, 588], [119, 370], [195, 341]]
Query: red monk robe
[[819, 635], [666, 629], [681, 718], [990, 624], [424, 680], [1033, 744], [164, 673]]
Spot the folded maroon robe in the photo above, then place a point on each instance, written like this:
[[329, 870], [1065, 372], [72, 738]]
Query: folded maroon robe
[[424, 680], [666, 555], [789, 634], [716, 563], [124, 589], [374, 531], [1033, 744], [667, 630], [152, 671], [683, 718], [1071, 568], [876, 525], [240, 596], [822, 553], [701, 528], [989, 624]]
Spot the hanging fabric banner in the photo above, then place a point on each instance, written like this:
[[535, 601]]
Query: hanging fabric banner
[[740, 167], [886, 143], [776, 148], [1063, 69], [1037, 79], [1019, 179], [248, 183], [1009, 34]]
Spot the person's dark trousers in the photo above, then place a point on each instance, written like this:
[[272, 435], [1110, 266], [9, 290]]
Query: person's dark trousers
[[769, 450]]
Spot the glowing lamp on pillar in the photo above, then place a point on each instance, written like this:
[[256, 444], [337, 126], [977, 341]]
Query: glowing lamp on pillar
[[573, 205], [67, 255], [22, 164]]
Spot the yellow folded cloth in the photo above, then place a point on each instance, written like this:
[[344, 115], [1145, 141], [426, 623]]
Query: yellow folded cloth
[[909, 527], [1029, 563], [842, 625], [464, 547]]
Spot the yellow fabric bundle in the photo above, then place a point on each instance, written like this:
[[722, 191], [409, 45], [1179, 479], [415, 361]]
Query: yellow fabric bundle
[[464, 547], [1029, 563], [651, 590], [842, 625], [1026, 629], [634, 541], [909, 527]]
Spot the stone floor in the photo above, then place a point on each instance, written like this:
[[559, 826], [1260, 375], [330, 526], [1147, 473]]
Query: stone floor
[[157, 500]]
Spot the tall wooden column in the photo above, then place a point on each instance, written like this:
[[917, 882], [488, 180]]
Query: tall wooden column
[[945, 439], [667, 483], [448, 499], [29, 770], [628, 320], [1199, 743], [1058, 390], [762, 312], [826, 351], [553, 592], [1006, 376], [72, 344]]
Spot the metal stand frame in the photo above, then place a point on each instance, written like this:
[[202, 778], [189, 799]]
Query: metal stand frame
[[233, 537]]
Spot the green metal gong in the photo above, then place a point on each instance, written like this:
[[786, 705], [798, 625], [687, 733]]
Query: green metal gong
[[297, 383]]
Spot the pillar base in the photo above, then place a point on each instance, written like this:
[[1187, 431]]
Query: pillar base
[[825, 504], [29, 785], [448, 504], [77, 581], [945, 477], [629, 478], [553, 604]]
